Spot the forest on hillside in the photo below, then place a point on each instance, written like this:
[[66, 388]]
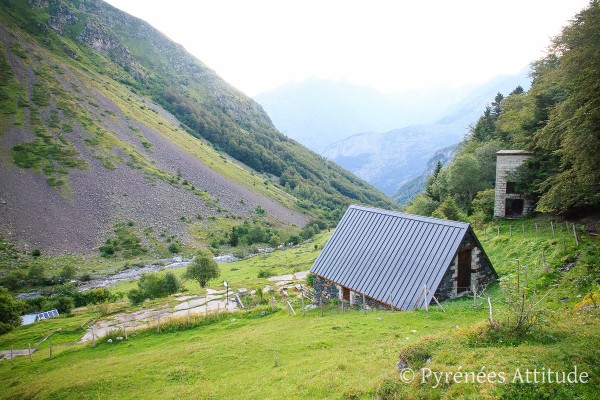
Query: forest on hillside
[[558, 120]]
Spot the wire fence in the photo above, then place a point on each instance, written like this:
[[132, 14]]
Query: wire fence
[[532, 230]]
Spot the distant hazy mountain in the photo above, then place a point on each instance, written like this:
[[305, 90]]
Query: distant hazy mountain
[[319, 112], [389, 160]]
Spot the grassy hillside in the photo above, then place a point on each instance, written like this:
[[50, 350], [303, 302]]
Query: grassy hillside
[[265, 354], [131, 56]]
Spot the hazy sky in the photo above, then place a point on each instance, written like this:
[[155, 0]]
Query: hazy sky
[[390, 45]]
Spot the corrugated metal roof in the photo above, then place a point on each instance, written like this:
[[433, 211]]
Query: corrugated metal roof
[[376, 252]]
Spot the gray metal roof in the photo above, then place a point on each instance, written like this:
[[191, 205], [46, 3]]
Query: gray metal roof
[[376, 252]]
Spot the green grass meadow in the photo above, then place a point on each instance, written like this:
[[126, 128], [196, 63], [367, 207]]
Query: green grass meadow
[[266, 354]]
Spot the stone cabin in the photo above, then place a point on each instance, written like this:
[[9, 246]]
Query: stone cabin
[[388, 258], [507, 202]]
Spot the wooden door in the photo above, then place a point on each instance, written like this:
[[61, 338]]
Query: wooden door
[[345, 294], [463, 281]]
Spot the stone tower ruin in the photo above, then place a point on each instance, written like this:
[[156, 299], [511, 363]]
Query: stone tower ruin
[[508, 203]]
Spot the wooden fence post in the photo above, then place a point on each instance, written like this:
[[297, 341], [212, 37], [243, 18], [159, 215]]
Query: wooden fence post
[[536, 229], [490, 305], [425, 293], [158, 328], [364, 303], [391, 301], [291, 308], [575, 234], [510, 230], [518, 276], [498, 227], [303, 310], [29, 347], [544, 261], [321, 305], [11, 354], [523, 227], [51, 347], [93, 336], [552, 226]]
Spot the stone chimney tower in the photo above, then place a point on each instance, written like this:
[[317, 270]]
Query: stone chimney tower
[[508, 203]]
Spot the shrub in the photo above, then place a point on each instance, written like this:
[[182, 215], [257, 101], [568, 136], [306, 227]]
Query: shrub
[[10, 311], [310, 280], [171, 284], [307, 232], [125, 242], [275, 241], [294, 239], [36, 275], [264, 274], [64, 304], [175, 247], [14, 280], [67, 273], [152, 286]]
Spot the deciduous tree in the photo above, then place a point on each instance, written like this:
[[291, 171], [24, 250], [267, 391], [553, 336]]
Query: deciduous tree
[[203, 268]]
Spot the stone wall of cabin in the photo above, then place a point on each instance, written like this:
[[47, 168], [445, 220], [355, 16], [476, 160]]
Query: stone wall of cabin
[[325, 291], [482, 273]]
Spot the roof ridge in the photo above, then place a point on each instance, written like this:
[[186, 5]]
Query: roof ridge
[[446, 222]]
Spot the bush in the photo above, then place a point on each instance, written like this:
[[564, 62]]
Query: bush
[[175, 247], [171, 284], [14, 280], [10, 311], [36, 276], [264, 274], [152, 286], [68, 297], [67, 273], [64, 304], [275, 241], [125, 242], [307, 232], [310, 280]]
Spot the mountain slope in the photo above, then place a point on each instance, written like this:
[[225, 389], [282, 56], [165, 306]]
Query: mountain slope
[[97, 112], [416, 185]]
